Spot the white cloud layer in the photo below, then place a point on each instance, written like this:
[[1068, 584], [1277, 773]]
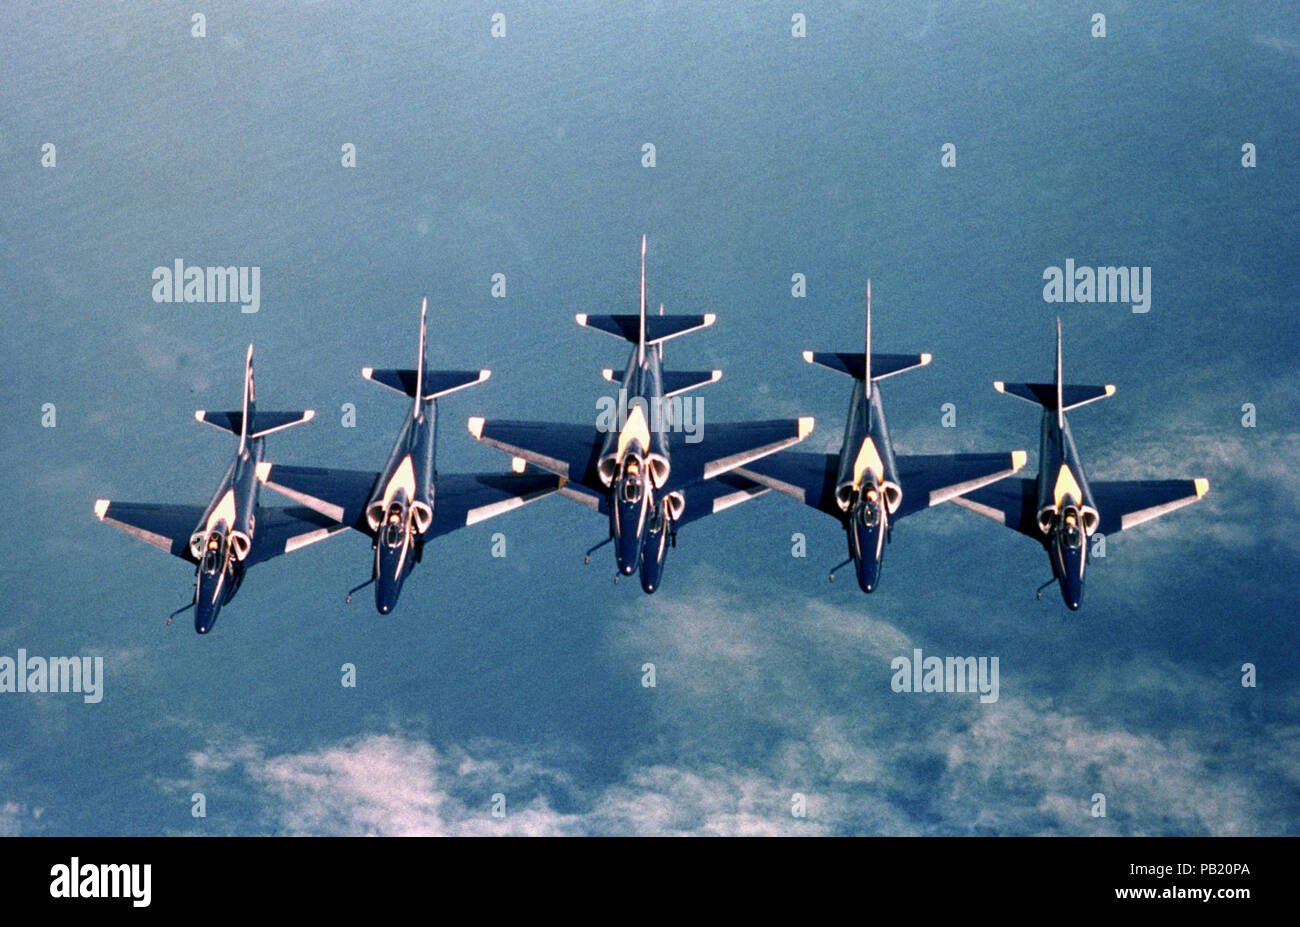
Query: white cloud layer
[[754, 706]]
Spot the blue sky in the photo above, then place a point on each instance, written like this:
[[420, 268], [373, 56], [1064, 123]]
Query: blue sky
[[775, 155]]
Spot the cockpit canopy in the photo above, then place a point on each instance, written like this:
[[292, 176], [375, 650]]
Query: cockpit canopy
[[214, 553], [393, 532], [868, 511], [1071, 528], [632, 482]]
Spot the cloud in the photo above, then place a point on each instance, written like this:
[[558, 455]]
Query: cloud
[[757, 706]]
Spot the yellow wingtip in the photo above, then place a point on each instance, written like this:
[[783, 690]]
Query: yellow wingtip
[[476, 426], [1018, 459], [806, 423], [1202, 486], [101, 508], [999, 386], [518, 464], [807, 357], [926, 358]]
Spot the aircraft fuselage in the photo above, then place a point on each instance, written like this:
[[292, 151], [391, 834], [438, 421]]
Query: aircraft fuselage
[[400, 508], [867, 486], [224, 535], [1067, 515], [636, 457]]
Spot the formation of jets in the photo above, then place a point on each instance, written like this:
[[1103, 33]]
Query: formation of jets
[[645, 468]]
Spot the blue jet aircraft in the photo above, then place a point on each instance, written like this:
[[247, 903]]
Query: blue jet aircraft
[[233, 532], [866, 487], [646, 472], [1060, 509], [408, 503]]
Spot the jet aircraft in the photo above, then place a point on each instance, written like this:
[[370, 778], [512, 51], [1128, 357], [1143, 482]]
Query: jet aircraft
[[646, 472], [408, 503], [233, 532], [866, 487], [1060, 509]]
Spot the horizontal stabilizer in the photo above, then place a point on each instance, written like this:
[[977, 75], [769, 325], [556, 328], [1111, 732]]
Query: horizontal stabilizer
[[1044, 394], [268, 422], [675, 381], [882, 365], [232, 422], [657, 327], [436, 382], [264, 423]]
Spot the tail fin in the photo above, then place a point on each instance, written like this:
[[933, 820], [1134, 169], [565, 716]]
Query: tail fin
[[250, 400], [866, 354], [867, 366], [1056, 396], [640, 341], [419, 360], [1060, 411], [247, 423], [420, 383]]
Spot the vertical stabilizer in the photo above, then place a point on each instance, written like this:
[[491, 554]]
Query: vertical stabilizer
[[419, 360], [249, 407], [1060, 406], [640, 344], [866, 359]]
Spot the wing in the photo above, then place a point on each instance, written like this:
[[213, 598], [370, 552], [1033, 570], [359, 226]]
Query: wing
[[167, 527], [709, 497], [716, 449], [282, 531], [340, 495], [809, 478], [1128, 503], [464, 499], [1013, 503], [567, 450], [929, 479]]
